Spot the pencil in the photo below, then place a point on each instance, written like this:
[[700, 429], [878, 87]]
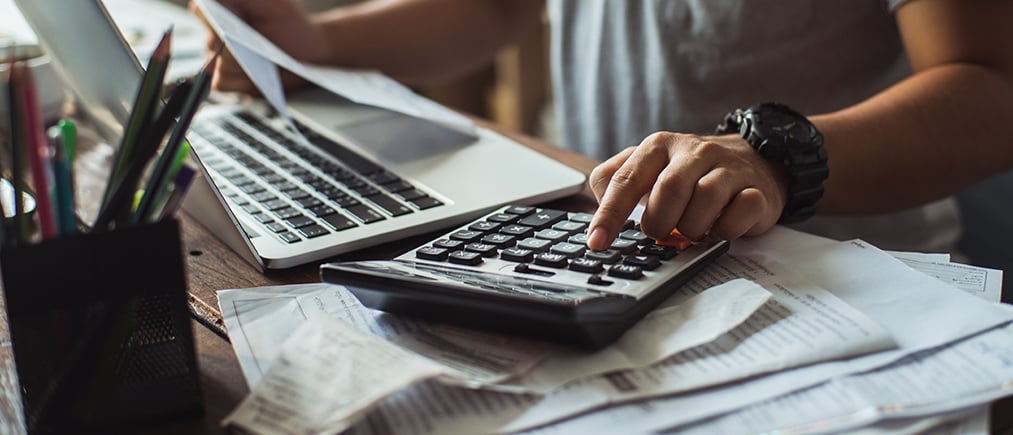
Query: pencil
[[142, 112], [22, 226]]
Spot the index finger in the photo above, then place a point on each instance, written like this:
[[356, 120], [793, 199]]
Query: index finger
[[627, 184]]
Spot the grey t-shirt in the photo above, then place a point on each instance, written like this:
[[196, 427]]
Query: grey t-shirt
[[623, 69]]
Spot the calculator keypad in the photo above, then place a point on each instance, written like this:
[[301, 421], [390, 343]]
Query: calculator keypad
[[548, 242]]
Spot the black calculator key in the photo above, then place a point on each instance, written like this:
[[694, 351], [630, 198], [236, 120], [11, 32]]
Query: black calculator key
[[549, 259], [432, 253], [518, 255], [586, 265], [635, 235], [465, 258], [520, 210], [519, 231], [543, 218], [624, 246], [570, 250], [449, 244], [608, 257], [537, 245], [484, 226], [503, 218], [626, 271], [598, 280], [485, 249], [466, 235], [500, 240], [665, 252], [646, 262]]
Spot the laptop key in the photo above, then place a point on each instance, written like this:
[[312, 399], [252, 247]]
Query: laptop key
[[400, 186], [408, 194], [311, 231], [426, 202], [287, 213], [339, 222], [289, 237], [276, 227], [300, 221], [389, 204], [365, 214], [308, 202], [322, 210]]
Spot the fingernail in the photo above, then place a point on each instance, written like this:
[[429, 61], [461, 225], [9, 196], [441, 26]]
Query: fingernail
[[597, 239]]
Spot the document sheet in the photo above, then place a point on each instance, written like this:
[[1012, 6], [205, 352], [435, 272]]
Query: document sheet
[[257, 56]]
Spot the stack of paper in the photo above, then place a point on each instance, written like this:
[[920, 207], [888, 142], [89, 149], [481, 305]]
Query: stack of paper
[[844, 324]]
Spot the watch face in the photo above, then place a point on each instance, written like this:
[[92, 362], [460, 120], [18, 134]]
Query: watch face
[[788, 125]]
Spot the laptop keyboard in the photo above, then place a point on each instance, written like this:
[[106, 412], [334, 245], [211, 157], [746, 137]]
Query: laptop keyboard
[[295, 192]]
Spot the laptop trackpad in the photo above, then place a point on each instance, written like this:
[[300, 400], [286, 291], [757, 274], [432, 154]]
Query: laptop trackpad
[[403, 139]]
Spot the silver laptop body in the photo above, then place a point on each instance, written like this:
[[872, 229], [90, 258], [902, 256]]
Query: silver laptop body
[[359, 176]]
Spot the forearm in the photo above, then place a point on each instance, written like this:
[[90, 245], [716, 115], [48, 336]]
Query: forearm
[[424, 41], [923, 139]]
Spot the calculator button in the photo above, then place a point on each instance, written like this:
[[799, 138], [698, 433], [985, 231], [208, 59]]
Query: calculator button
[[551, 260], [485, 249], [665, 252], [466, 235], [586, 265], [503, 218], [626, 271], [448, 244], [624, 246], [543, 218], [500, 240], [520, 210], [519, 231], [646, 262], [537, 245], [484, 226], [608, 257], [465, 258], [517, 255], [570, 250], [569, 226], [432, 253], [635, 235], [579, 238], [553, 235], [598, 280], [581, 217]]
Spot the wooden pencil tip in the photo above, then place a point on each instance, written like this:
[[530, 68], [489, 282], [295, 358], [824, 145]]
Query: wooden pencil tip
[[164, 46]]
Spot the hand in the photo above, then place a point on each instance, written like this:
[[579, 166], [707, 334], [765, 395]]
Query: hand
[[712, 185], [284, 23]]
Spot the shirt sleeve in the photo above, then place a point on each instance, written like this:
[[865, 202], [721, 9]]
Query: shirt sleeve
[[892, 5]]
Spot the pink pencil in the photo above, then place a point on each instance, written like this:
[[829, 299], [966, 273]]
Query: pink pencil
[[38, 152]]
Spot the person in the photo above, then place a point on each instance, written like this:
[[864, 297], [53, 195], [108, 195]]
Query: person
[[912, 98]]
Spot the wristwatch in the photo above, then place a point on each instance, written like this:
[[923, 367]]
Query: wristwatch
[[782, 135]]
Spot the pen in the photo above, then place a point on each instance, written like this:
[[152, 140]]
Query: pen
[[64, 182], [142, 112], [22, 226], [159, 171], [38, 156], [182, 183]]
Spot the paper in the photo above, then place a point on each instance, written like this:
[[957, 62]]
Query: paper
[[655, 415], [972, 372], [979, 281], [260, 319], [327, 375], [360, 86], [919, 313]]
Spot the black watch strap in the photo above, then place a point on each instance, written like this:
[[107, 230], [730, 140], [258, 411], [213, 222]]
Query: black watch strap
[[803, 155]]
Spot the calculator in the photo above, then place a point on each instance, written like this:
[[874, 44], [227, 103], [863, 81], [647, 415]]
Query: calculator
[[527, 271]]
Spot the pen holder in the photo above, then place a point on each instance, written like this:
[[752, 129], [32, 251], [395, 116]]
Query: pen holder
[[100, 330]]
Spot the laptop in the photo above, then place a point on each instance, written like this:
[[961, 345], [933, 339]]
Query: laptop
[[352, 177]]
